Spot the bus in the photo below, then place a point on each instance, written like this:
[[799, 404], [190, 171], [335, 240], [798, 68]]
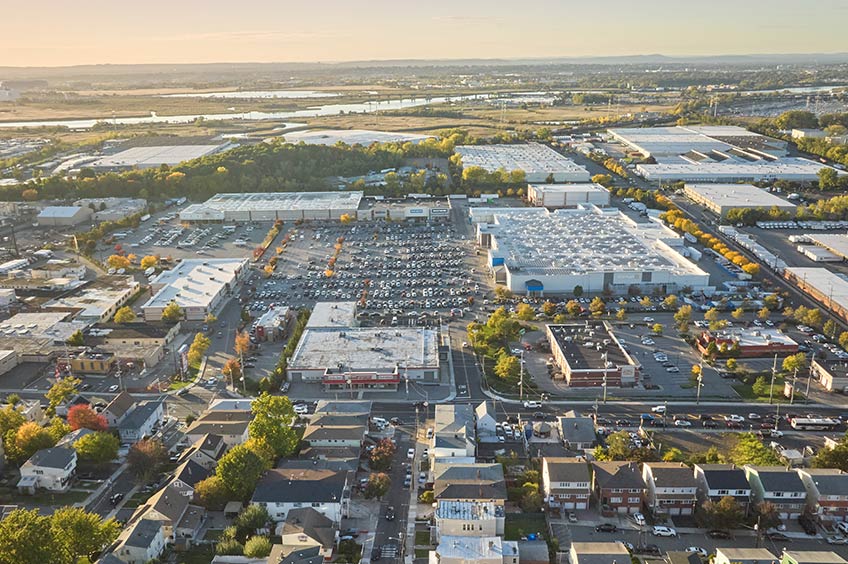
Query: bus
[[814, 424]]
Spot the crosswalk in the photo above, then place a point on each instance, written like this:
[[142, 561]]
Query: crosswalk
[[389, 551]]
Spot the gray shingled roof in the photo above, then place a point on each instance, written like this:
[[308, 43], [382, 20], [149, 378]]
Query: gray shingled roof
[[300, 486], [672, 475], [618, 475], [56, 457], [143, 533], [567, 469]]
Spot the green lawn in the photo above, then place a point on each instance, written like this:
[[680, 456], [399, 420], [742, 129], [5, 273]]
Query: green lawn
[[746, 392], [422, 538], [422, 553], [520, 524], [198, 554], [43, 498]]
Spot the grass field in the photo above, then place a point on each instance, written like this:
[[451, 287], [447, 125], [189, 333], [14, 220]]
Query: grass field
[[521, 524]]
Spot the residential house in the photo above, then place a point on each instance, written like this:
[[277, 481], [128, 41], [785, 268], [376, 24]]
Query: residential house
[[181, 521], [672, 488], [305, 527], [72, 437], [141, 542], [716, 481], [205, 451], [230, 425], [281, 489], [279, 555], [681, 557], [52, 469], [486, 422], [811, 557], [141, 421], [780, 486], [598, 553], [336, 431], [187, 475], [118, 408], [470, 482], [469, 518], [827, 492], [566, 483], [343, 407], [743, 556], [481, 550], [577, 433], [453, 433], [618, 486]]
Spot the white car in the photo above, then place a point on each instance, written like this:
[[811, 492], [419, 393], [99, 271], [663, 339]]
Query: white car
[[682, 423], [775, 434], [754, 416], [648, 319], [697, 550], [735, 418], [662, 531], [113, 388], [532, 404], [410, 454], [301, 408], [658, 409]]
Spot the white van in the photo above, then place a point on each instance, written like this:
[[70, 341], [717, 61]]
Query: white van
[[379, 422]]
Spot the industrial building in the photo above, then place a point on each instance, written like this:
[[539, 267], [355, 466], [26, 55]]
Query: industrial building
[[591, 356], [373, 358], [534, 251], [407, 209], [270, 206], [155, 156], [791, 169], [197, 286], [567, 195], [835, 243], [828, 288], [721, 198], [113, 209], [352, 137], [63, 215], [98, 301], [539, 162], [332, 314]]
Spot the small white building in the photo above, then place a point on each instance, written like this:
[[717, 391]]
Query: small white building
[[486, 422], [63, 216], [52, 469], [567, 195]]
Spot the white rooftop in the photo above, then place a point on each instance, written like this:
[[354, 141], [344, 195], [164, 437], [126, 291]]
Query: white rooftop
[[756, 337], [146, 157], [475, 548], [738, 195], [366, 348], [97, 298], [582, 240], [332, 314], [579, 187], [36, 325], [468, 510], [827, 283], [272, 201], [194, 282], [59, 211], [532, 158], [351, 137], [836, 243], [788, 168]]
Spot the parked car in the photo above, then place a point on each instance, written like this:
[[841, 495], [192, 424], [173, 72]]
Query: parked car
[[702, 552], [682, 423], [390, 513], [663, 531], [532, 405], [572, 517], [658, 409], [606, 528], [777, 536], [718, 534], [807, 524]]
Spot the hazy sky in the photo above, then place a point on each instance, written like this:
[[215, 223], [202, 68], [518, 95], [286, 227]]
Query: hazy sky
[[63, 32]]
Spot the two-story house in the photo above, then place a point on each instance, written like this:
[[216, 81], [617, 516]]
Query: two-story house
[[52, 469], [305, 527], [486, 422], [141, 542], [336, 431], [206, 451], [141, 421], [734, 555], [577, 433], [827, 492], [181, 521], [118, 408], [780, 486], [480, 482], [230, 425], [672, 488], [716, 481], [453, 433], [618, 486], [598, 553], [187, 475], [469, 518], [481, 550], [282, 489], [566, 483]]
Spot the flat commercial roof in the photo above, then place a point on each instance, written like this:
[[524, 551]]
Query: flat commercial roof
[[98, 297], [825, 282], [468, 510], [738, 196], [579, 187], [147, 157], [532, 158], [757, 337], [273, 201], [787, 168], [32, 324], [332, 314], [580, 241], [194, 282], [351, 137], [836, 243], [580, 357], [59, 211], [475, 548], [366, 348]]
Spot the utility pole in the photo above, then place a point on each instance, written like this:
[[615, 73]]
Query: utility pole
[[773, 374], [521, 376], [809, 380], [605, 377], [794, 383]]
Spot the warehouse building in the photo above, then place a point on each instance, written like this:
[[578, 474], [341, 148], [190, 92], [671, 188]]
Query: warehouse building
[[721, 198], [271, 206], [364, 137], [197, 286], [791, 169], [539, 162], [828, 288], [835, 243], [534, 251], [98, 301], [591, 356], [63, 215], [372, 358], [567, 195], [332, 314], [113, 209], [154, 156]]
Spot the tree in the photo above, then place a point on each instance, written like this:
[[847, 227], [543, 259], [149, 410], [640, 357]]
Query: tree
[[836, 457], [749, 450], [240, 470], [27, 538], [602, 179], [738, 313], [768, 516], [232, 370], [118, 262], [796, 119], [763, 314], [843, 340], [229, 547], [646, 301], [578, 291], [683, 316], [597, 306], [761, 386], [377, 486], [795, 362], [830, 328], [507, 367], [732, 364], [712, 314], [257, 547], [657, 328], [125, 315], [273, 417], [78, 533], [253, 518], [211, 493], [210, 319], [148, 261], [525, 312], [670, 301], [77, 339], [573, 307], [97, 448], [198, 348], [345, 218], [828, 178], [29, 195], [241, 343], [382, 455], [61, 391], [772, 302], [549, 308], [26, 441], [618, 446], [621, 314], [10, 420], [145, 459], [82, 416], [172, 313], [673, 455], [502, 294], [723, 514]]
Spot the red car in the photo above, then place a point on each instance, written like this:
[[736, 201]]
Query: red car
[[733, 425], [766, 425]]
